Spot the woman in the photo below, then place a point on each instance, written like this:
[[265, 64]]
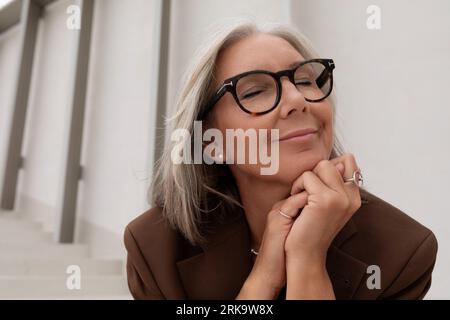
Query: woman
[[307, 231]]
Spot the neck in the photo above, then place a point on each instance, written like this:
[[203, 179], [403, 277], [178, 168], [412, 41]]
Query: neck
[[258, 197]]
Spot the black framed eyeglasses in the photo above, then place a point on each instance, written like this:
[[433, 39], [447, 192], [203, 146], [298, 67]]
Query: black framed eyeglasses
[[258, 92]]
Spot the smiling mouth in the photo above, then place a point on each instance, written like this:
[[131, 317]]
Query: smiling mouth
[[301, 138], [299, 135]]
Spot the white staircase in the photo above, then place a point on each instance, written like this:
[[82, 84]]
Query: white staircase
[[33, 266]]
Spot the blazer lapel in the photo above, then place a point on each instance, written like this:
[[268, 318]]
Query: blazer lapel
[[345, 271], [221, 269]]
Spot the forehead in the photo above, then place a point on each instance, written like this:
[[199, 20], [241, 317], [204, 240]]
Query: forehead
[[258, 51]]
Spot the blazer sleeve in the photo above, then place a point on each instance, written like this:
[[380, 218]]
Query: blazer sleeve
[[141, 283], [414, 281]]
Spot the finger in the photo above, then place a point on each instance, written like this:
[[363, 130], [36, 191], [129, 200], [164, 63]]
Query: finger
[[292, 205], [330, 176], [310, 182], [350, 166]]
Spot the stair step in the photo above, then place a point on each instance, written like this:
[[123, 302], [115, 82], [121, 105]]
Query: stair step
[[19, 225], [37, 287], [11, 236], [33, 266], [125, 296], [58, 267], [48, 251]]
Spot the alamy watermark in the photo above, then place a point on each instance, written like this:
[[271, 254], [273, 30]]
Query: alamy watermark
[[373, 21], [260, 142], [73, 281]]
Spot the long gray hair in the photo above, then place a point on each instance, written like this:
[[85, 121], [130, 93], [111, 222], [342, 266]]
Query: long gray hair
[[190, 194]]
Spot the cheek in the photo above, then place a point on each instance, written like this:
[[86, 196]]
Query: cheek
[[227, 114], [324, 114]]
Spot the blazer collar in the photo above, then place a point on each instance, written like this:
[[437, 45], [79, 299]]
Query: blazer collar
[[220, 270]]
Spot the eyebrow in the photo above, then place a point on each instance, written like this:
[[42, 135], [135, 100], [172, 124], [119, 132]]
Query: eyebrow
[[291, 66], [294, 64]]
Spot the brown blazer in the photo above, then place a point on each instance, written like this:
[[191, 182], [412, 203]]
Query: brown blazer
[[161, 264]]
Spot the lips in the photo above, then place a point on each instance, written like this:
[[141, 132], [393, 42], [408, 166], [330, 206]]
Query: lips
[[298, 133]]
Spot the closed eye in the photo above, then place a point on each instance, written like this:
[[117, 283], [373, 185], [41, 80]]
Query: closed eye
[[251, 94], [304, 82]]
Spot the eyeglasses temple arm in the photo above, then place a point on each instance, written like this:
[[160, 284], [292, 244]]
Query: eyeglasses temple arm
[[214, 99], [323, 77]]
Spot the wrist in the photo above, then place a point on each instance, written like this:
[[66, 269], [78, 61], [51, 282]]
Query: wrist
[[306, 257], [307, 278], [308, 269], [258, 287]]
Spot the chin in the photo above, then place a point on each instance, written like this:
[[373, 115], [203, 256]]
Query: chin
[[292, 166]]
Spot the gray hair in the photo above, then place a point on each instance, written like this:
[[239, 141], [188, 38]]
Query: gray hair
[[190, 193]]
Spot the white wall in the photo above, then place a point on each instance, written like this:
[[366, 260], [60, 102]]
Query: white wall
[[393, 105], [48, 114], [9, 48], [120, 118]]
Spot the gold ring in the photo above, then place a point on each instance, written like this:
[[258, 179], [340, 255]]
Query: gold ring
[[284, 214]]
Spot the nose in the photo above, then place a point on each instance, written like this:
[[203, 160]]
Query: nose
[[292, 100]]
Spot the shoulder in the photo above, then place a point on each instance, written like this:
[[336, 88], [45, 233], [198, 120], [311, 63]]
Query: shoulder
[[404, 249], [152, 248], [148, 226], [383, 226], [151, 234]]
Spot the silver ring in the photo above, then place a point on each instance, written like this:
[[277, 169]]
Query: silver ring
[[357, 178], [284, 214]]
